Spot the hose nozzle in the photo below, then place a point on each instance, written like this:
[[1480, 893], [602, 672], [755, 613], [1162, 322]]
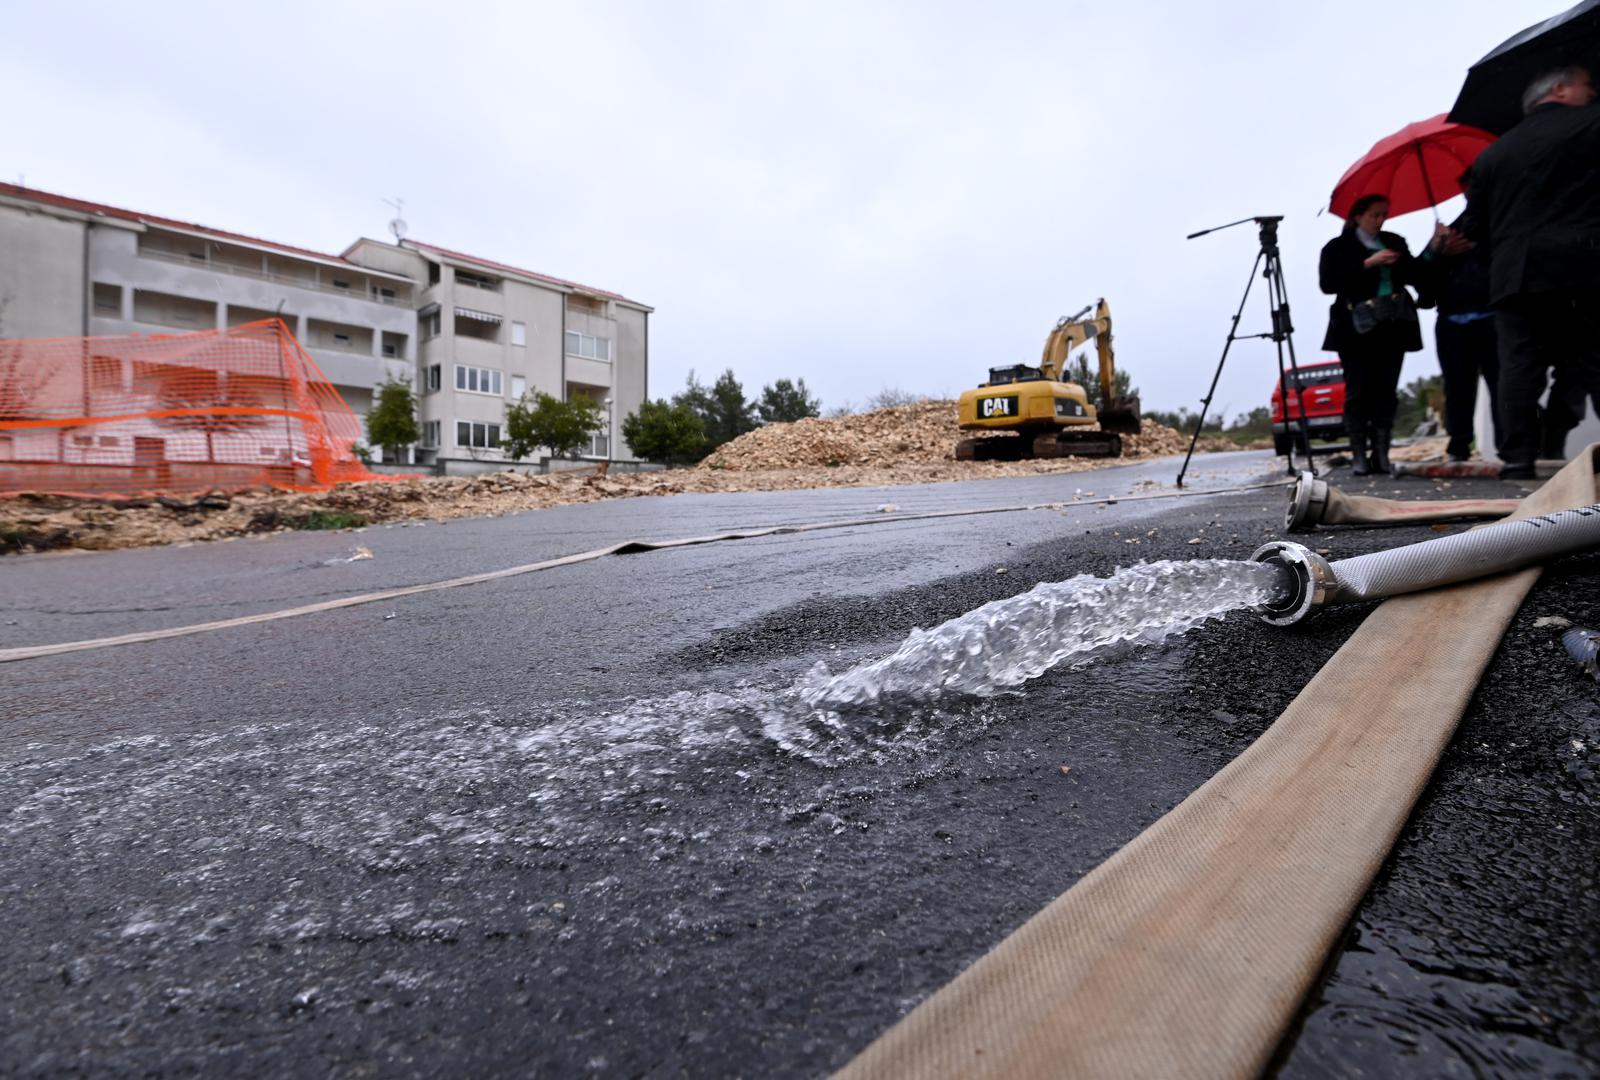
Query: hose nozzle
[[1307, 578]]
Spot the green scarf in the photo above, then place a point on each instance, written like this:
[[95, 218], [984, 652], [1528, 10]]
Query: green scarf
[[1385, 278]]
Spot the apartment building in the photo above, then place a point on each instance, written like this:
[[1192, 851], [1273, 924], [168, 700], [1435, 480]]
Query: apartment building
[[472, 335], [71, 268], [489, 333]]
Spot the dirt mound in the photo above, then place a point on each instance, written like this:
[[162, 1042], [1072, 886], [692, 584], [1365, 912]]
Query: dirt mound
[[921, 434]]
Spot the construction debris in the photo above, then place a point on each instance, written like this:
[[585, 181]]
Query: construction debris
[[924, 433], [910, 444]]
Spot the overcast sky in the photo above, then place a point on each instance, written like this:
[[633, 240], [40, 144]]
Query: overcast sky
[[865, 195]]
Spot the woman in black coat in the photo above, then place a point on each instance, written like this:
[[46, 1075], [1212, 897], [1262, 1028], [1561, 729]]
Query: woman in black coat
[[1360, 263]]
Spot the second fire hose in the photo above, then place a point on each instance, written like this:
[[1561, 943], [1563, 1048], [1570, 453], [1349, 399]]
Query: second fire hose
[[1313, 502], [1310, 581]]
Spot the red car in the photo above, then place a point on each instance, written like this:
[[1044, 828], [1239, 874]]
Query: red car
[[1323, 386]]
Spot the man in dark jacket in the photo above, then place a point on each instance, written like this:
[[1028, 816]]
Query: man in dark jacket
[[1457, 271], [1536, 203]]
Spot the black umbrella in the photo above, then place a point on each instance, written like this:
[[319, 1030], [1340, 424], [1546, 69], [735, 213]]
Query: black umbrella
[[1491, 98]]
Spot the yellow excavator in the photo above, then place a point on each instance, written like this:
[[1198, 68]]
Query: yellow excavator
[[1047, 412]]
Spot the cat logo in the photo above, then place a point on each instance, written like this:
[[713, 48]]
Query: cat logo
[[997, 407]]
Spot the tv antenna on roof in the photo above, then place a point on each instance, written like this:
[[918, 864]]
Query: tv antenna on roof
[[398, 225]]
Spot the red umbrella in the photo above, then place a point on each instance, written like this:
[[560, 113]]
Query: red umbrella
[[1416, 167]]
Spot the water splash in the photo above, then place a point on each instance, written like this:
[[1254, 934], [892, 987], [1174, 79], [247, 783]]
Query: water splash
[[1008, 642], [423, 785]]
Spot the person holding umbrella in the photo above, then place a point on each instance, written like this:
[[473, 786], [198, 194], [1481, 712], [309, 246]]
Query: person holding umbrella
[[1417, 167], [1372, 324]]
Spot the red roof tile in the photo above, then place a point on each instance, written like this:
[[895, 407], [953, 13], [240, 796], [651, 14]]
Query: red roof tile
[[590, 289], [83, 206]]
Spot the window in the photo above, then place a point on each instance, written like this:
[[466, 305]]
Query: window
[[519, 333], [342, 340], [432, 378], [519, 387], [430, 323], [477, 380], [107, 299], [382, 295], [430, 434], [482, 325], [596, 348], [337, 284], [433, 273], [390, 349], [110, 440], [477, 281], [477, 436], [105, 373]]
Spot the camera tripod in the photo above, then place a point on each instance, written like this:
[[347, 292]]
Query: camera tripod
[[1282, 335]]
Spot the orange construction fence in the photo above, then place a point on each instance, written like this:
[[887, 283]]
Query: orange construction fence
[[172, 414]]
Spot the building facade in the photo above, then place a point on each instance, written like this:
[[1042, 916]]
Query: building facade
[[471, 335], [490, 333]]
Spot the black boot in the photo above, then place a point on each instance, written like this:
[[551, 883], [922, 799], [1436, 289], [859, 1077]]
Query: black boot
[[1358, 454], [1380, 450]]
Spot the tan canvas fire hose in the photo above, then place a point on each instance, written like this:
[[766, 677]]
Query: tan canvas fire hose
[[1313, 502], [1187, 953]]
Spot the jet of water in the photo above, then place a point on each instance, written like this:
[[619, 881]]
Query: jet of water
[[1008, 642]]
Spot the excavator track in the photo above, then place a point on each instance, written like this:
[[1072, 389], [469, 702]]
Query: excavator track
[[1077, 444], [995, 448], [1048, 445]]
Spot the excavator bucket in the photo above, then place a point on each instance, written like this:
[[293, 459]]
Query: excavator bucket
[[1120, 415]]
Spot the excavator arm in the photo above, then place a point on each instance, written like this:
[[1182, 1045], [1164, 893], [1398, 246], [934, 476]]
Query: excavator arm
[[1114, 413]]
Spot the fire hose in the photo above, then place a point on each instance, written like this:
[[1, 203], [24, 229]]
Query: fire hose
[[1188, 952], [1311, 581], [1313, 503]]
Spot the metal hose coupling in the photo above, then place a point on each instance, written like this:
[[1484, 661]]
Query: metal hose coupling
[[1312, 581]]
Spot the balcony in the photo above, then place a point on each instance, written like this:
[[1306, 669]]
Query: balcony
[[172, 312], [338, 337], [392, 295], [477, 325], [477, 281]]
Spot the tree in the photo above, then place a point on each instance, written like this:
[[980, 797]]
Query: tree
[[784, 400], [1415, 400], [695, 396], [1182, 420], [724, 413], [21, 382], [562, 427], [392, 423], [1079, 372], [891, 397], [665, 432], [198, 396], [731, 415]]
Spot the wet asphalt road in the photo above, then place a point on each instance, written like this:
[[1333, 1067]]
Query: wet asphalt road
[[546, 827]]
